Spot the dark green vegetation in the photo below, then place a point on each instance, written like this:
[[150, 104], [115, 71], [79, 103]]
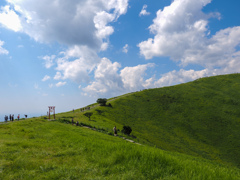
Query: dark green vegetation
[[193, 128], [102, 101]]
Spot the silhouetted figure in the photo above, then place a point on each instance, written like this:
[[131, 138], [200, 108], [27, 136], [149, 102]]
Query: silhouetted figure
[[77, 124], [115, 131]]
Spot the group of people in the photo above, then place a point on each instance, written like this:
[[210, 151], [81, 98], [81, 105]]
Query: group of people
[[11, 117]]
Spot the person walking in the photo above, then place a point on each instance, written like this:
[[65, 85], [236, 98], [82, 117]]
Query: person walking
[[115, 131], [18, 116]]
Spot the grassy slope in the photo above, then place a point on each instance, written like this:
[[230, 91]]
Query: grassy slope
[[200, 118], [39, 149]]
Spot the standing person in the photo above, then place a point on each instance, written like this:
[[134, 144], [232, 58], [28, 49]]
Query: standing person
[[115, 131], [18, 116], [12, 117], [77, 123]]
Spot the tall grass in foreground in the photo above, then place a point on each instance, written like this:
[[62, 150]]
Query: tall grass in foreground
[[39, 149]]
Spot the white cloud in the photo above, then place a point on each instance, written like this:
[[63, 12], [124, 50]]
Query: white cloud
[[133, 77], [10, 19], [109, 81], [77, 70], [82, 23], [125, 48], [46, 78], [106, 78], [2, 50], [144, 11], [183, 36], [49, 61], [84, 26], [59, 84]]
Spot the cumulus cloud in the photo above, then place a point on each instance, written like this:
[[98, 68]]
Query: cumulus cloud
[[144, 11], [184, 36], [2, 50], [106, 78], [133, 77], [78, 70], [109, 81], [81, 23], [46, 78], [10, 19]]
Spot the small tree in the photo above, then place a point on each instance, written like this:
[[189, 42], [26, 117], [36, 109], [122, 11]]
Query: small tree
[[127, 130], [102, 101], [88, 114]]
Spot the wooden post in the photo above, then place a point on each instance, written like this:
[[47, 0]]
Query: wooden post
[[51, 108], [49, 112], [54, 111]]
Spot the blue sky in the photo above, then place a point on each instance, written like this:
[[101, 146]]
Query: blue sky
[[70, 53]]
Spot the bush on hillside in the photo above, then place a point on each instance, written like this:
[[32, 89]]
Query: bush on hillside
[[127, 130], [102, 101]]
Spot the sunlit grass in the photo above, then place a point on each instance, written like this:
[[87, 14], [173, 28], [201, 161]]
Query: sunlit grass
[[41, 149], [200, 118]]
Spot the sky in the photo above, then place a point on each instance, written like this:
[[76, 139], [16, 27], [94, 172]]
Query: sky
[[70, 53]]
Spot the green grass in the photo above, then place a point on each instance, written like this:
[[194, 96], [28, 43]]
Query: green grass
[[188, 131], [200, 118], [41, 149]]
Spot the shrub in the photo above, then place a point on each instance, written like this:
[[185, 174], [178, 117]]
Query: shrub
[[127, 130], [102, 101]]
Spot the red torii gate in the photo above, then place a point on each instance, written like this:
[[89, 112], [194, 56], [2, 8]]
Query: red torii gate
[[51, 109]]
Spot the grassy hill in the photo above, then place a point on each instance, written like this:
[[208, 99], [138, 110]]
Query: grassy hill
[[200, 118], [192, 130], [41, 149]]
